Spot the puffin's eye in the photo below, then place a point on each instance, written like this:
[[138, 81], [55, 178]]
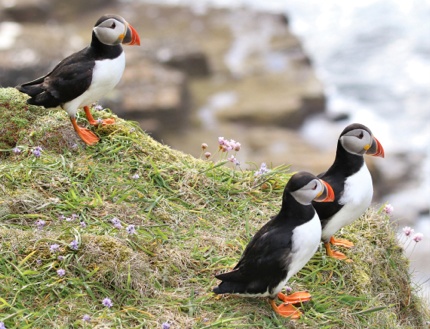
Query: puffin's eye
[[361, 135], [113, 25], [315, 186]]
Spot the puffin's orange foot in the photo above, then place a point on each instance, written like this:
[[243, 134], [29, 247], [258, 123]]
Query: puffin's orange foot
[[94, 122], [286, 310], [88, 136], [108, 121], [335, 254], [295, 298], [341, 242]]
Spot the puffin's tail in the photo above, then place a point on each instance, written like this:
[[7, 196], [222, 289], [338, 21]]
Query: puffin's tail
[[30, 90], [227, 287], [232, 283], [39, 96]]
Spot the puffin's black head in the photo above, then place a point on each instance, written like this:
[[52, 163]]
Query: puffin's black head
[[305, 188], [113, 30], [358, 139]]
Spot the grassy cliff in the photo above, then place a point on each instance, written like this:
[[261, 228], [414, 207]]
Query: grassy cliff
[[72, 208]]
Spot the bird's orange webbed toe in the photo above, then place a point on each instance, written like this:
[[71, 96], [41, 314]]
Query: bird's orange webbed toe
[[334, 254], [286, 310], [341, 242], [95, 122], [295, 298], [109, 121], [86, 135]]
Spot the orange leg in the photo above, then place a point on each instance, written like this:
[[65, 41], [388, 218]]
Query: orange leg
[[86, 135], [332, 253], [94, 122], [341, 242], [286, 310], [296, 298]]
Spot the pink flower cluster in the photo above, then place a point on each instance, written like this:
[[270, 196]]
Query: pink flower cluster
[[408, 232], [228, 145]]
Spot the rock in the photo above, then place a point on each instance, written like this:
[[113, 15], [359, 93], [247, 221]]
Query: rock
[[194, 64], [34, 11]]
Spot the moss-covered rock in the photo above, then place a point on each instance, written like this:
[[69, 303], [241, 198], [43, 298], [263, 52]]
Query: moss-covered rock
[[131, 220]]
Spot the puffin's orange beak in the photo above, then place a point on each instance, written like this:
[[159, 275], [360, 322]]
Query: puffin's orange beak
[[376, 149], [327, 195], [131, 37]]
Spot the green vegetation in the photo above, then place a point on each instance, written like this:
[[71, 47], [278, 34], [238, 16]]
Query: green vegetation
[[193, 218]]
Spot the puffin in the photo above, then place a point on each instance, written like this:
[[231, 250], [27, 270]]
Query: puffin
[[87, 75], [281, 248], [351, 182]]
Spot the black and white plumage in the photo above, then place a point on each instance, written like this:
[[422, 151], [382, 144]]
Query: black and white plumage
[[281, 247], [87, 75], [351, 182]]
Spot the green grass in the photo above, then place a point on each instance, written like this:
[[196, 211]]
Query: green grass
[[193, 219]]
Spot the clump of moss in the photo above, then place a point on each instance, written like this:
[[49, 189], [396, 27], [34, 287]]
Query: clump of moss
[[14, 124]]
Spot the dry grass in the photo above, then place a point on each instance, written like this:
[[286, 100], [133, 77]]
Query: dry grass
[[192, 218]]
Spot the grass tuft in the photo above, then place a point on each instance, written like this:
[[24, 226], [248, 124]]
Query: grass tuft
[[193, 218]]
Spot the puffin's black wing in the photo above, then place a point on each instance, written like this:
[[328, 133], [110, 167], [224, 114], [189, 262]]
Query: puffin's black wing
[[263, 263], [68, 80]]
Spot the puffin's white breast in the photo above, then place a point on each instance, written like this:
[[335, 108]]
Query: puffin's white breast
[[356, 198], [106, 75], [305, 241]]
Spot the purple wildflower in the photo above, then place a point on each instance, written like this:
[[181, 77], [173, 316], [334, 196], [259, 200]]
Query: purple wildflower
[[131, 229], [86, 318], [98, 107], [61, 272], [74, 245], [40, 224], [38, 262], [2, 326], [83, 224], [208, 155], [61, 217], [16, 150], [60, 258], [107, 302], [204, 146], [116, 223], [263, 169], [165, 325], [54, 247], [135, 176], [37, 151]]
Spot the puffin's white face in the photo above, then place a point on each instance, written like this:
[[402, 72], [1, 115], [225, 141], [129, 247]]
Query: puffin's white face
[[309, 192], [357, 141], [111, 31]]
